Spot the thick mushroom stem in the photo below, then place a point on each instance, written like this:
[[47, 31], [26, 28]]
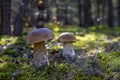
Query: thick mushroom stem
[[40, 54], [68, 50]]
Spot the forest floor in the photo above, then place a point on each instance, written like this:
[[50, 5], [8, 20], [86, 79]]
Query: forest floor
[[97, 56]]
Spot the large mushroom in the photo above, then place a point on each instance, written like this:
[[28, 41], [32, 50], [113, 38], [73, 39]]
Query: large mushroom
[[38, 37], [67, 39]]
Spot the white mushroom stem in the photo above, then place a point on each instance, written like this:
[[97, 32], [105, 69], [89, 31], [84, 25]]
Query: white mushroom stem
[[68, 50], [40, 54]]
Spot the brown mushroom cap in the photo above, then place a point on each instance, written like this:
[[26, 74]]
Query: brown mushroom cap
[[67, 37], [38, 35]]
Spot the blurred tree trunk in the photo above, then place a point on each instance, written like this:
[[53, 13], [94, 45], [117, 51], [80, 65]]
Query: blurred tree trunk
[[41, 18], [110, 18], [5, 17], [66, 17], [0, 17], [80, 12], [58, 13], [87, 18], [103, 11], [48, 11], [19, 23], [118, 1], [48, 14], [98, 8]]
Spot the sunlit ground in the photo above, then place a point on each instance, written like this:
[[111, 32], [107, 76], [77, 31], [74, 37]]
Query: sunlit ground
[[89, 47]]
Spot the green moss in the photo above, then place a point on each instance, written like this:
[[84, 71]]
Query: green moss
[[7, 40], [25, 33], [8, 52], [109, 62], [82, 76], [18, 42], [88, 39], [5, 75]]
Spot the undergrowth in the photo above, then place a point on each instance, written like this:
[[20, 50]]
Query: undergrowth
[[93, 61]]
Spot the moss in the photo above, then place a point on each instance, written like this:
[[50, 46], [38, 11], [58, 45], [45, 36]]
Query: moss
[[109, 62], [88, 39], [5, 75], [8, 52], [18, 42], [7, 40], [25, 33], [58, 71], [11, 66]]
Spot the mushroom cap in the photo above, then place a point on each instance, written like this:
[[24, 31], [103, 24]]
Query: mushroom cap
[[67, 37], [38, 35]]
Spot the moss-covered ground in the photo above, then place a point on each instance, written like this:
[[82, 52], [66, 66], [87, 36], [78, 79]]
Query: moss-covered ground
[[97, 56]]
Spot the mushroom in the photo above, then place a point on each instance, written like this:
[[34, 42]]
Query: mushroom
[[38, 37], [67, 39]]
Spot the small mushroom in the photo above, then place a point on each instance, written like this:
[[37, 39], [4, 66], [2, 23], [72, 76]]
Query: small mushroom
[[38, 37], [67, 39]]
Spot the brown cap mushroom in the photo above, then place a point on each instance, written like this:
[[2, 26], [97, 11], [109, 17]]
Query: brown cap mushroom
[[67, 39], [38, 38], [41, 34]]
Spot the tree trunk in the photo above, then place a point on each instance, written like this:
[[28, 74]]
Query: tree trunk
[[58, 13], [87, 18], [0, 17], [5, 17], [103, 12], [99, 12], [48, 11], [118, 1], [48, 14], [97, 22], [98, 8], [41, 18], [80, 12], [110, 14], [66, 12], [18, 24]]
